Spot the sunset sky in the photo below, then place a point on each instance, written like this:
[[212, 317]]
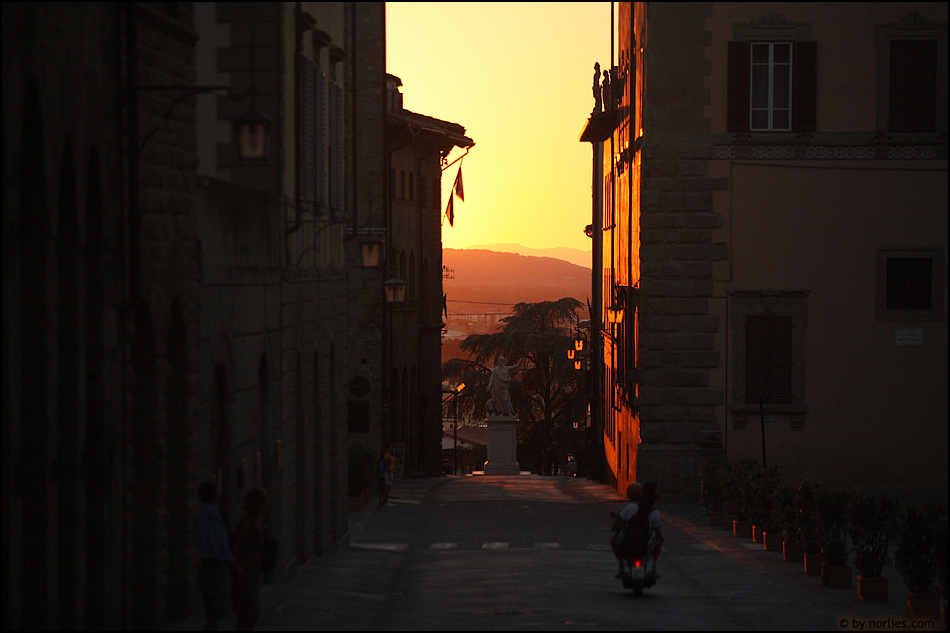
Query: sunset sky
[[518, 77]]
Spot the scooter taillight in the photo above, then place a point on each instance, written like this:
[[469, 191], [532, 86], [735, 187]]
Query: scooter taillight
[[637, 563]]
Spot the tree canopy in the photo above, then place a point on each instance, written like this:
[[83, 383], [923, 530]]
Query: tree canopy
[[547, 392]]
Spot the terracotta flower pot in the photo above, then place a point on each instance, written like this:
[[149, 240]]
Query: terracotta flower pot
[[836, 576], [872, 589], [773, 541], [793, 552], [923, 606], [741, 529], [812, 563]]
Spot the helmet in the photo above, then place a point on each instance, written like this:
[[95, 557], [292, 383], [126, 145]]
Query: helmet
[[634, 490]]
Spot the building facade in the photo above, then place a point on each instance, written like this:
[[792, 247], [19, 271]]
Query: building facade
[[417, 148], [179, 310], [774, 214]]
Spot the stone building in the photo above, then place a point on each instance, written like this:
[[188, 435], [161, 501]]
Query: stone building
[[773, 226], [417, 149], [176, 310]]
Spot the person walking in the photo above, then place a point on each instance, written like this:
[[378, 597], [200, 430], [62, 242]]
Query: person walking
[[248, 547], [214, 550], [384, 474]]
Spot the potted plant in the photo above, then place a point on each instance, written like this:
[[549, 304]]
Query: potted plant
[[873, 528], [784, 515], [914, 559], [741, 485], [834, 508], [360, 475], [940, 556], [808, 525], [712, 473], [780, 518], [762, 518]]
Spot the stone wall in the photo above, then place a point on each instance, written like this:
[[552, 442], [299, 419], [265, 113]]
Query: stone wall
[[677, 342]]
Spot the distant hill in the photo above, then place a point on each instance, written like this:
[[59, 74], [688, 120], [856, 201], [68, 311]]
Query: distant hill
[[508, 278], [573, 255]]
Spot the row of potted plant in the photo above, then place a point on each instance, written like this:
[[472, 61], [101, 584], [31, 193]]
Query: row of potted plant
[[830, 529]]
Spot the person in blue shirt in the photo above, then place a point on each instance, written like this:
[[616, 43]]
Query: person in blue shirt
[[214, 550]]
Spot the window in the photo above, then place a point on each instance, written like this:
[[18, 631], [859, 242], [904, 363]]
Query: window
[[308, 146], [335, 150], [912, 86], [912, 75], [908, 288], [768, 351], [768, 358], [909, 281], [771, 87]]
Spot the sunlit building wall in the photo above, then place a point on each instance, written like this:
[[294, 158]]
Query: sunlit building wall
[[792, 212]]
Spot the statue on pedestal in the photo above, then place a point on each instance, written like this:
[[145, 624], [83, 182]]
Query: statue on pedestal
[[596, 88], [499, 401]]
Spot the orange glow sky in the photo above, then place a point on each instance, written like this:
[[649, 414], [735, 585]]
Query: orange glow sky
[[518, 77]]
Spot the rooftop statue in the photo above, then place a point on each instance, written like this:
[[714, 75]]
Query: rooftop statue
[[597, 102]]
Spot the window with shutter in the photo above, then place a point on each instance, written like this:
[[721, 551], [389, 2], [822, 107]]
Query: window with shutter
[[771, 87], [335, 149], [913, 86], [768, 360], [768, 343], [320, 137], [308, 144]]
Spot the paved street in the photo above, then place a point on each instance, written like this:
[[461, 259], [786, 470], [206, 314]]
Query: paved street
[[532, 553]]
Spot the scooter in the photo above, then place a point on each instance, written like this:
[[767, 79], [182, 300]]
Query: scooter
[[637, 572]]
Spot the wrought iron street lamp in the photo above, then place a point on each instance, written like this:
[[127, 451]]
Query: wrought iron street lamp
[[395, 290]]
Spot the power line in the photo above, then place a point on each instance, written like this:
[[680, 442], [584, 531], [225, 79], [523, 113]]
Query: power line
[[484, 303]]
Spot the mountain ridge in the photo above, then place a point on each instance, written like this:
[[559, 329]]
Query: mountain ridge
[[575, 256], [505, 278]]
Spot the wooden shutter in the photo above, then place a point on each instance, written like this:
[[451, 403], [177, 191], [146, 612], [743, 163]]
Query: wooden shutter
[[768, 361], [308, 144], [335, 153], [737, 87], [320, 136], [804, 86], [913, 86]]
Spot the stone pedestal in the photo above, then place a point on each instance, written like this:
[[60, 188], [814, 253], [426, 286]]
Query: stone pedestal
[[502, 445]]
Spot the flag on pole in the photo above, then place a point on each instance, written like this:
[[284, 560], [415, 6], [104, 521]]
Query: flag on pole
[[459, 189], [450, 211]]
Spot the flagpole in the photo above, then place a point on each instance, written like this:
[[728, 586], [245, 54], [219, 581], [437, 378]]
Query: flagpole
[[459, 158]]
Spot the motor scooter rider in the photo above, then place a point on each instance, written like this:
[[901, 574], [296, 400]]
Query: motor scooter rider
[[645, 494]]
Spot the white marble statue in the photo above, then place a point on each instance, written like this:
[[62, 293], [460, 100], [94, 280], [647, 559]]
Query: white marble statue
[[499, 401]]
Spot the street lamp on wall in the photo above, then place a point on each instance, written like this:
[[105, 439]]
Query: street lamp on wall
[[371, 248], [395, 290], [253, 133], [615, 313], [253, 129], [579, 341]]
